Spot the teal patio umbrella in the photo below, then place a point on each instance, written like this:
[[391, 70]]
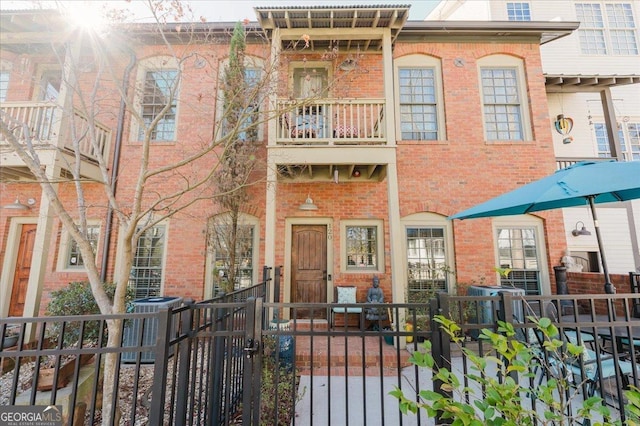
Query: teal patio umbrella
[[579, 184]]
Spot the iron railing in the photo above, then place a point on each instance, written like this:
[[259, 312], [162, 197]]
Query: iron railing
[[221, 362]]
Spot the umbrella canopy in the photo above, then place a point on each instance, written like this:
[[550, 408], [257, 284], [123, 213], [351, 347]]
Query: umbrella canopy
[[581, 183]]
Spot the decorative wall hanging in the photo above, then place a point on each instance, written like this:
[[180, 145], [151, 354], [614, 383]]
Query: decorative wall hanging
[[563, 124]]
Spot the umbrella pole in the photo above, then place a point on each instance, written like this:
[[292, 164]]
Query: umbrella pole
[[608, 286]]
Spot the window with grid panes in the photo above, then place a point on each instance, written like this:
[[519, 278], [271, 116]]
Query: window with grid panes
[[502, 105], [74, 258], [418, 105], [243, 256], [362, 247], [518, 12], [518, 251], [426, 263], [629, 135], [4, 85], [146, 272], [160, 91], [607, 28]]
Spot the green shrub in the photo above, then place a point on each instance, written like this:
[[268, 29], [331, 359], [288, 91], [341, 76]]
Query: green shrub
[[501, 402], [77, 299]]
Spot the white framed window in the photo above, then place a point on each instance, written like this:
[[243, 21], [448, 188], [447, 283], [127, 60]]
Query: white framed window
[[309, 79], [629, 135], [256, 93], [504, 103], [157, 81], [219, 254], [518, 11], [607, 28], [520, 249], [420, 98], [429, 255], [69, 257], [363, 245], [4, 85], [147, 269]]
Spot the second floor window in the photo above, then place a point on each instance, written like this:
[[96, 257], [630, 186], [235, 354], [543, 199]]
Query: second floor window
[[4, 85], [502, 104], [418, 106], [629, 135], [518, 12], [607, 29], [159, 91]]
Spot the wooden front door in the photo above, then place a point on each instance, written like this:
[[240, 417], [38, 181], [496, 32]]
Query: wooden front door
[[309, 268], [23, 268]]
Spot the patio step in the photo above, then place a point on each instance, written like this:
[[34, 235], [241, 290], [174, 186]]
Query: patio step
[[349, 356]]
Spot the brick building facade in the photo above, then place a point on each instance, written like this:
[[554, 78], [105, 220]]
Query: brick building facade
[[386, 126]]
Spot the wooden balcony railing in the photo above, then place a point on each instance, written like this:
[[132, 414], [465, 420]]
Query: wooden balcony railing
[[332, 122], [42, 120]]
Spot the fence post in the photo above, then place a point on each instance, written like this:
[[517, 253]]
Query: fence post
[[158, 391], [252, 375], [184, 360], [507, 311], [440, 346], [216, 396]]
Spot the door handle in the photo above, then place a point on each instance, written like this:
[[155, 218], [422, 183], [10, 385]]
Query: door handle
[[324, 275]]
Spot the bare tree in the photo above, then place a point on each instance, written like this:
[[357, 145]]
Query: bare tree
[[238, 159], [161, 189]]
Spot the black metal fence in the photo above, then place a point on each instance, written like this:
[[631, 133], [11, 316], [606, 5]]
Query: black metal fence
[[236, 361]]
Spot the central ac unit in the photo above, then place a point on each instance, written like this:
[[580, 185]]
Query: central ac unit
[[132, 331], [489, 311]]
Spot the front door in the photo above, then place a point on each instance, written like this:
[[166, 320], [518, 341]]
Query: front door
[[309, 268], [23, 268]]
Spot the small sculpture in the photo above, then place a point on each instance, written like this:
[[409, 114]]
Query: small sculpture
[[375, 296]]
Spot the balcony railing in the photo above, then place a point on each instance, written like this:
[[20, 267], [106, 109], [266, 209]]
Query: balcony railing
[[39, 122], [564, 162], [332, 122]]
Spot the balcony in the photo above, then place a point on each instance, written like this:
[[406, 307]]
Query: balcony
[[564, 162], [332, 122], [41, 124]]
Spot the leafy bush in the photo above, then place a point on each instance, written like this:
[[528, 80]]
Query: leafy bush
[[77, 299], [501, 402]]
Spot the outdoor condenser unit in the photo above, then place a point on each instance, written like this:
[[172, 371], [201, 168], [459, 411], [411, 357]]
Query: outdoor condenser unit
[[132, 331], [488, 311]]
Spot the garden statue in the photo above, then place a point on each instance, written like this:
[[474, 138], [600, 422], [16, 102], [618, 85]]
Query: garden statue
[[375, 296]]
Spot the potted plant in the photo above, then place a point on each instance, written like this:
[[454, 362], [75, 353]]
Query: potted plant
[[10, 336]]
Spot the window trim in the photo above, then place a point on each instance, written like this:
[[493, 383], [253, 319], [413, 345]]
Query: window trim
[[607, 28], [528, 221], [299, 65], [379, 225], [421, 61], [521, 10], [501, 61], [65, 246], [166, 226], [431, 220], [5, 68], [156, 63], [243, 219], [251, 62]]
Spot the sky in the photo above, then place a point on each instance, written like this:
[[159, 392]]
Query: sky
[[230, 10]]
